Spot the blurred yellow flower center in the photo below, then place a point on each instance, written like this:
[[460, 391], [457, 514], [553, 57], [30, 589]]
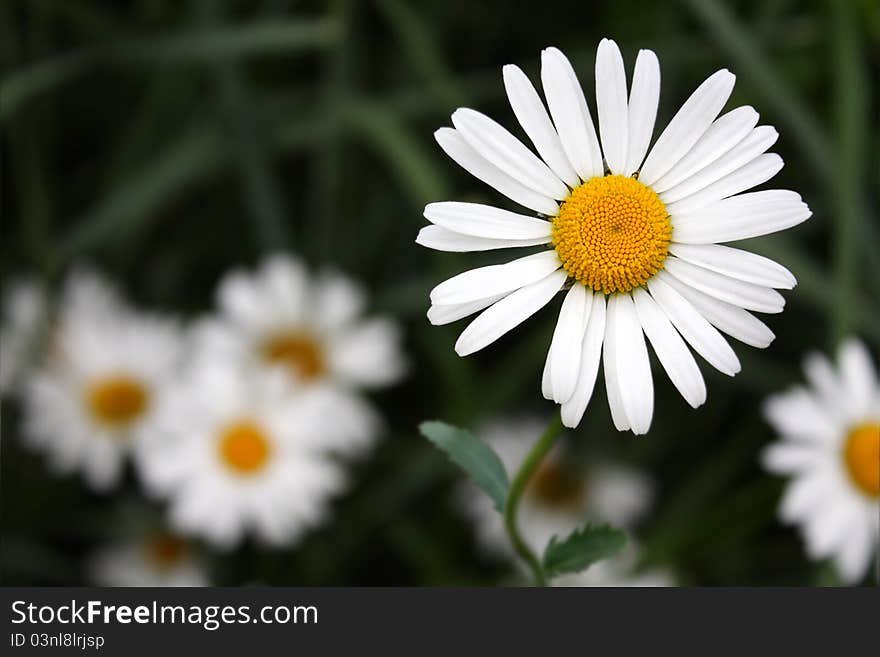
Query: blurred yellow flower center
[[299, 352], [244, 448], [164, 551], [555, 485], [862, 455], [117, 400], [612, 233]]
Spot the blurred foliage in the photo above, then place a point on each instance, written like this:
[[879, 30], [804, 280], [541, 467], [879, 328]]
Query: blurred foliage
[[166, 141]]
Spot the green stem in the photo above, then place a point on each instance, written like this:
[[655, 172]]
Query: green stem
[[517, 488]]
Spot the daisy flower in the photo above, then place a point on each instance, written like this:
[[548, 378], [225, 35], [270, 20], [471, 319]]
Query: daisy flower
[[24, 309], [98, 388], [830, 447], [631, 235], [158, 560], [560, 496], [309, 327], [242, 451], [619, 571]]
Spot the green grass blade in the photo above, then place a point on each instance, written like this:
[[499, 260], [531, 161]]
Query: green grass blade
[[851, 123]]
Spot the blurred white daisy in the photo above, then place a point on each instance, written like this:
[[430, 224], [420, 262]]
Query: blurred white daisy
[[560, 497], [619, 571], [24, 311], [830, 448], [241, 452], [97, 389], [311, 327], [158, 560], [634, 240]]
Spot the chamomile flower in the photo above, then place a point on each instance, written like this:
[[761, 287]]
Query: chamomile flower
[[631, 235], [98, 388], [311, 327], [619, 571], [830, 447], [158, 560], [24, 310], [560, 498], [241, 451]]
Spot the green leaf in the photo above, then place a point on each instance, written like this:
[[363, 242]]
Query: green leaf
[[473, 455], [581, 549]]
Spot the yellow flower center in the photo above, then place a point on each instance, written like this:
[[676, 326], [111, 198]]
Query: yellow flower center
[[555, 485], [117, 400], [244, 448], [612, 233], [297, 351], [165, 552], [862, 455]]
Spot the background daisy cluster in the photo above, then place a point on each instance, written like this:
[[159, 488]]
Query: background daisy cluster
[[234, 172]]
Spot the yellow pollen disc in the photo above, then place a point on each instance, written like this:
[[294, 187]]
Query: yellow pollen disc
[[297, 351], [244, 448], [165, 551], [612, 234], [862, 455], [555, 485], [117, 400]]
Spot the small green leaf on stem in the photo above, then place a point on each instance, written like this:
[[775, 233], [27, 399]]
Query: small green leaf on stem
[[474, 456], [581, 549]]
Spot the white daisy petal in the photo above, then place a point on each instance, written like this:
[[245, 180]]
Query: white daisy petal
[[337, 301], [475, 164], [644, 98], [508, 313], [570, 113], [802, 495], [446, 314], [441, 239], [740, 217], [367, 355], [821, 376], [671, 350], [611, 105], [857, 375], [694, 328], [790, 457], [133, 562], [533, 118], [757, 142], [486, 221], [688, 125], [547, 377], [828, 529], [488, 281], [609, 363], [854, 557], [733, 320], [508, 153], [736, 263], [725, 133], [756, 172], [237, 298], [591, 350], [633, 366], [799, 415], [733, 291], [567, 340]]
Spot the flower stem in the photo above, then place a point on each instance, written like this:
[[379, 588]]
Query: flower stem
[[523, 476]]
